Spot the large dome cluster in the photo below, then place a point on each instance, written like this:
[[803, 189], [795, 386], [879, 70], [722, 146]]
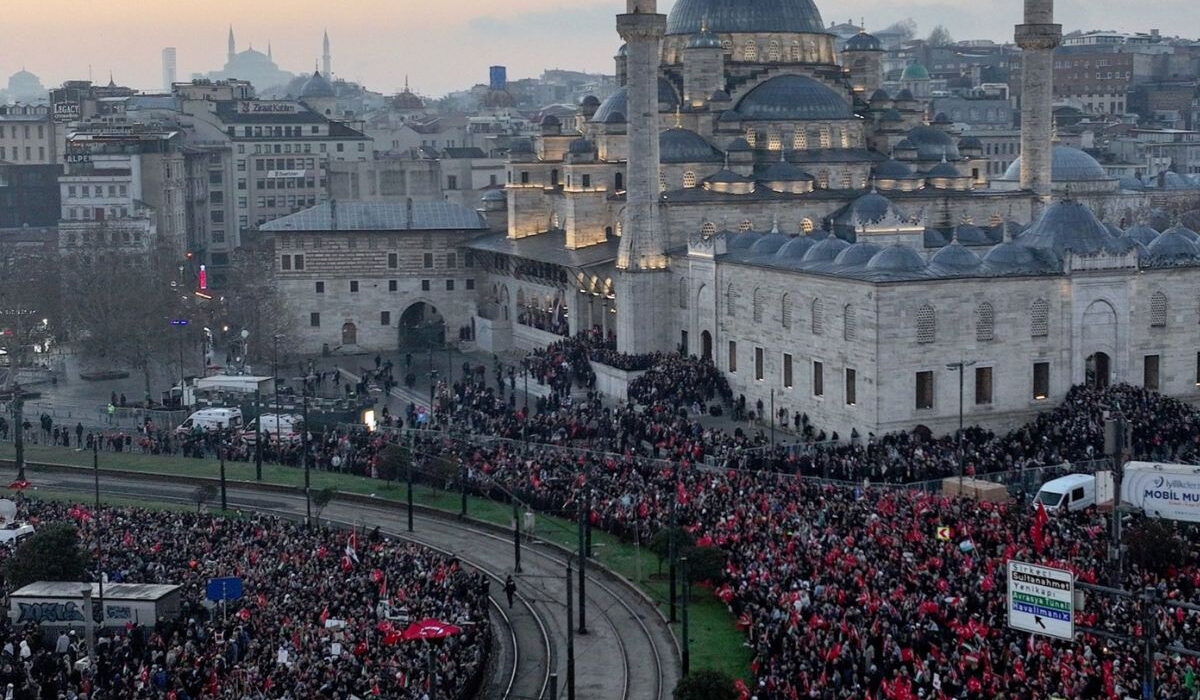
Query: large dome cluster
[[740, 16]]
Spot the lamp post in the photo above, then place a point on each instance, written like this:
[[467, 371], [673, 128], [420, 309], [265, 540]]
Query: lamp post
[[304, 453], [18, 405], [221, 457], [961, 367], [89, 625], [275, 381]]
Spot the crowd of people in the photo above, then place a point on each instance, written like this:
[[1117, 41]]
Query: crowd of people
[[322, 614]]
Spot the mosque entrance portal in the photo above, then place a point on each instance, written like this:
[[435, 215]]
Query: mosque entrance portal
[[1096, 370]]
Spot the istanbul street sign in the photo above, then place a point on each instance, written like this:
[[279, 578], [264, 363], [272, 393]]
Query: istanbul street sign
[[1041, 600]]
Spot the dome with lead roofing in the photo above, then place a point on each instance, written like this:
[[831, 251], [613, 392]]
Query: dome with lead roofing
[[1067, 225], [745, 17], [896, 258], [795, 248], [1142, 233], [770, 243], [825, 250], [955, 257], [793, 97], [857, 254]]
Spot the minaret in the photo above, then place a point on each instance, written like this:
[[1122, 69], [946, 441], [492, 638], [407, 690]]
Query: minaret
[[326, 60], [1037, 37], [232, 45], [643, 283]]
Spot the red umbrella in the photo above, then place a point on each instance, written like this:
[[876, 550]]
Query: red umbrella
[[430, 628]]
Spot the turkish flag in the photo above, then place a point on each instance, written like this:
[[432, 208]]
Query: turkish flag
[[430, 628]]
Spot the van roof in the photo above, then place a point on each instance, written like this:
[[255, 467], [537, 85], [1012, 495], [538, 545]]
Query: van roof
[[1063, 483]]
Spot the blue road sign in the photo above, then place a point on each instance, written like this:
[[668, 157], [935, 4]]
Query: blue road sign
[[224, 588]]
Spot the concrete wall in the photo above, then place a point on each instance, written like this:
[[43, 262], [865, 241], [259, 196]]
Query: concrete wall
[[612, 381]]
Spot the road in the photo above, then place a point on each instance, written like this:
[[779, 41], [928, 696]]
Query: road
[[628, 651]]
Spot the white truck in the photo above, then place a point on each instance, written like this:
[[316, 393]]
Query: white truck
[[1159, 490]]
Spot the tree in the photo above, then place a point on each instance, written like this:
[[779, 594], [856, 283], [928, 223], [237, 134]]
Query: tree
[[203, 494], [660, 544], [50, 554], [30, 311], [321, 499], [905, 29], [704, 563], [393, 461], [249, 300], [940, 36], [706, 684], [1153, 544]]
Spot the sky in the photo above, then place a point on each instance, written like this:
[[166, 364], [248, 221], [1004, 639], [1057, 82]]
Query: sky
[[439, 46]]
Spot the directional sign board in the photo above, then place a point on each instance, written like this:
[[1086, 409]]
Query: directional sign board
[[1041, 600], [225, 588]]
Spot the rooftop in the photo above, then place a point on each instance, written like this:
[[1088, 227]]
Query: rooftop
[[380, 216]]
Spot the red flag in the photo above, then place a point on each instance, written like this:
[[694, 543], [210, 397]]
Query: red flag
[[19, 485], [681, 493], [1036, 530], [127, 540], [324, 614], [244, 613]]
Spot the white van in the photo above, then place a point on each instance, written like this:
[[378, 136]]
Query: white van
[[1075, 491], [285, 427], [207, 419]]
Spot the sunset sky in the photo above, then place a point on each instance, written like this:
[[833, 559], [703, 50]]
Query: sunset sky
[[441, 46]]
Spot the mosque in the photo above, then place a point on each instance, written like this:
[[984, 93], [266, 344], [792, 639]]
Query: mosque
[[255, 66], [751, 195]]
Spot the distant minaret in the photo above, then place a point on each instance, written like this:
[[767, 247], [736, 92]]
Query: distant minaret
[[1037, 37], [643, 283], [326, 60], [232, 45]]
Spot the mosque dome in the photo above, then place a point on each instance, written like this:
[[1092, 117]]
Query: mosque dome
[[892, 170], [970, 142], [942, 119], [892, 115], [746, 17], [704, 40], [1125, 243], [317, 86], [550, 120], [795, 248], [615, 107], [955, 257], [494, 196], [825, 250], [742, 241], [969, 234], [905, 95], [896, 258], [769, 244], [719, 96], [857, 254], [863, 42], [739, 144], [1172, 246], [679, 145], [867, 209], [590, 101], [1184, 230], [1067, 164], [1009, 257], [581, 146], [407, 100], [783, 171], [1142, 233], [1067, 225], [943, 169], [788, 97], [915, 71], [933, 143], [880, 95]]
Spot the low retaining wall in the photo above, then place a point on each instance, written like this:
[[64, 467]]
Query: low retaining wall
[[614, 382], [492, 335]]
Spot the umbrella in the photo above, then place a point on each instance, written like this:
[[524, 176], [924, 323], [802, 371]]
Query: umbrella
[[429, 628]]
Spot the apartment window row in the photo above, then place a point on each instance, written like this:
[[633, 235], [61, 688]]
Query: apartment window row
[[787, 373], [86, 191]]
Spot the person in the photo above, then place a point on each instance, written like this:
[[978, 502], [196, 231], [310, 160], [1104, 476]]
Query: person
[[79, 434], [529, 524], [510, 589]]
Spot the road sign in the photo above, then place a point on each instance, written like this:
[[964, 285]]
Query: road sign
[[1041, 600], [945, 532], [225, 588]]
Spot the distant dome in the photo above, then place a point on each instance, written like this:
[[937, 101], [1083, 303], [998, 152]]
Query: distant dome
[[590, 101], [795, 248], [742, 241], [739, 144], [970, 142], [704, 40], [969, 234], [933, 143], [942, 118], [783, 171], [551, 120], [769, 244], [1184, 230], [905, 95], [1141, 233], [943, 169], [1067, 164], [892, 115], [892, 170], [915, 71], [493, 196], [407, 100], [617, 103], [857, 254], [897, 258], [863, 42], [869, 208], [719, 96], [679, 145], [1067, 225], [825, 250], [742, 16], [581, 146], [955, 257], [1009, 257], [317, 86], [880, 95], [790, 96], [521, 146], [1172, 246]]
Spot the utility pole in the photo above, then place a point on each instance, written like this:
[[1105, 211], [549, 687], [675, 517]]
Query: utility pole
[[258, 436], [773, 417], [410, 482], [961, 366], [18, 407], [582, 567], [1149, 631], [304, 454], [462, 478], [685, 653], [570, 636], [516, 536], [221, 457], [1115, 445], [671, 536], [275, 381], [96, 469]]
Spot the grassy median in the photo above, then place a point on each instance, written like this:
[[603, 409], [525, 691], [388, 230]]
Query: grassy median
[[715, 641]]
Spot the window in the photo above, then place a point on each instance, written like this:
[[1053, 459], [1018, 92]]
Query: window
[[689, 179], [471, 284], [1158, 310], [424, 285], [451, 261], [730, 300], [733, 356], [314, 319], [449, 285], [758, 364], [707, 229], [353, 286], [428, 260], [683, 293], [785, 311], [985, 323], [298, 261], [983, 386], [1039, 319], [851, 387], [392, 261], [1041, 380], [320, 287], [452, 182], [787, 370], [1150, 372], [392, 285], [1198, 369], [924, 390], [285, 262], [818, 378], [758, 306], [385, 318], [587, 181], [850, 323], [926, 324]]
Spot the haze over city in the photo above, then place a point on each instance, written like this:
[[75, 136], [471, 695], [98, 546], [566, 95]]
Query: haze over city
[[379, 42]]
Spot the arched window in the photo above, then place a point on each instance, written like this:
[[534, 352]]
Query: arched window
[[823, 179], [752, 138], [750, 51], [1039, 319], [849, 323], [773, 51], [745, 225], [826, 138], [926, 324], [985, 322], [785, 311], [730, 300], [689, 179], [708, 228], [618, 182], [818, 317], [806, 225], [662, 180], [847, 181], [727, 45], [683, 293], [774, 139], [758, 305], [1158, 310], [799, 140]]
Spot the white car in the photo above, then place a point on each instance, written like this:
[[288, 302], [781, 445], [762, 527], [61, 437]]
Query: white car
[[15, 532]]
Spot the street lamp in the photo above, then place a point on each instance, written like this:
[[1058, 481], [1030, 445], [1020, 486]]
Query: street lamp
[[961, 367], [275, 380]]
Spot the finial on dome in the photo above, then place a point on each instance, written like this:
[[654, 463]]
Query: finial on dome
[[775, 223], [678, 123]]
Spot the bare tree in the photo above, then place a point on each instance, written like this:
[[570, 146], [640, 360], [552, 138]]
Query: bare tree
[[30, 311], [940, 36], [905, 29], [250, 301]]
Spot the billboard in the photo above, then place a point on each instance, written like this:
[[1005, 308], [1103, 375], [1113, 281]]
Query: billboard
[[66, 111], [1170, 491]]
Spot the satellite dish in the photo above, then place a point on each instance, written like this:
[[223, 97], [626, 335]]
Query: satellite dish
[[8, 510]]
